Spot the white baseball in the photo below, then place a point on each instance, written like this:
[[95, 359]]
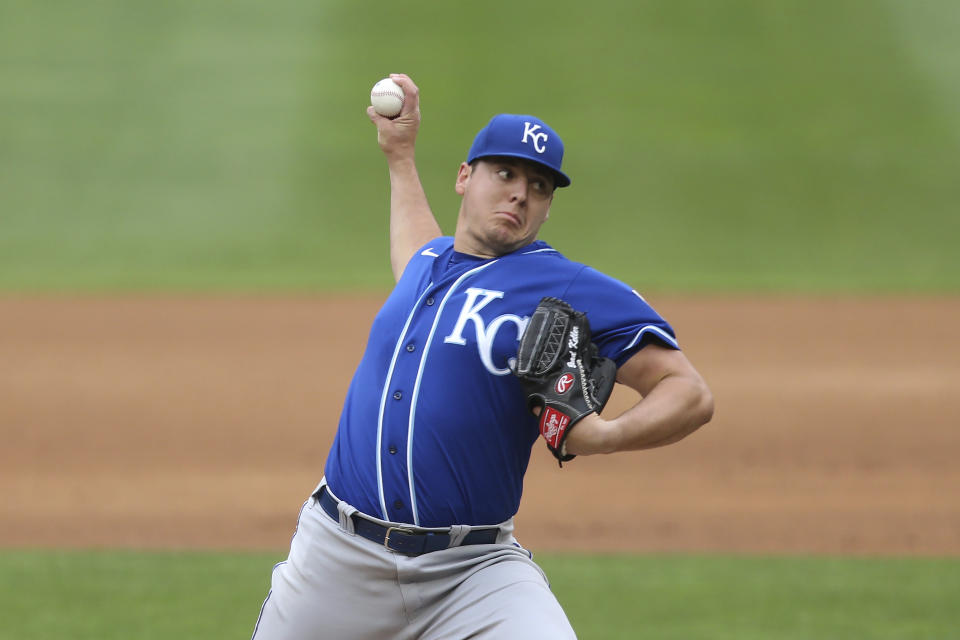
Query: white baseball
[[387, 98]]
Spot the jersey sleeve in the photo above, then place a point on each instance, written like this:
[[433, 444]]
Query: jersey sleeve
[[621, 321]]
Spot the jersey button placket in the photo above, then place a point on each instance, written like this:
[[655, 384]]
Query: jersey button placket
[[396, 419]]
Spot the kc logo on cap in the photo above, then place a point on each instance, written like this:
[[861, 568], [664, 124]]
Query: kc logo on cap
[[530, 129], [521, 136]]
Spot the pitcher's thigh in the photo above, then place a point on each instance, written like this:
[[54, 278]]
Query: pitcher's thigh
[[331, 586], [507, 599], [286, 613]]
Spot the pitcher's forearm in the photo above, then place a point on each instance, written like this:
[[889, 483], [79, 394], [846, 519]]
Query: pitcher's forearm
[[412, 223], [674, 409]]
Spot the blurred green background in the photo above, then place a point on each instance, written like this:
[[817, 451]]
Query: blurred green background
[[740, 146], [749, 145]]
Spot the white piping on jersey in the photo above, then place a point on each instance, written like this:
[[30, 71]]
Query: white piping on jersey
[[657, 330], [383, 401], [539, 251], [416, 386]]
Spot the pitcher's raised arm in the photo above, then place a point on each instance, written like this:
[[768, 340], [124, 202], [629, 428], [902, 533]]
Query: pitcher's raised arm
[[412, 223]]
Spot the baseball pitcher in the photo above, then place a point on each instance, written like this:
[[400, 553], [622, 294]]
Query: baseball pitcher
[[490, 341]]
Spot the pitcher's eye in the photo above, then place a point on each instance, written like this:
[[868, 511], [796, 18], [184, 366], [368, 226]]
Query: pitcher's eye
[[505, 173]]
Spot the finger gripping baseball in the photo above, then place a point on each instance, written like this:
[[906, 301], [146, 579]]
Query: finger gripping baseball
[[560, 372]]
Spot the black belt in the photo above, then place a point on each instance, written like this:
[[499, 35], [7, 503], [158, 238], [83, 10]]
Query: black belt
[[410, 542]]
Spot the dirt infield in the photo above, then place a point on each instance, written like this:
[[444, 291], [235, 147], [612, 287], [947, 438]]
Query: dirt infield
[[204, 422]]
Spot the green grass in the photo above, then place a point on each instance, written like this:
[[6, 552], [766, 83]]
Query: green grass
[[123, 595], [798, 145], [758, 597], [103, 595]]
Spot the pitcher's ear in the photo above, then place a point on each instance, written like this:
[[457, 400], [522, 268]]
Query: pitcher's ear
[[463, 176]]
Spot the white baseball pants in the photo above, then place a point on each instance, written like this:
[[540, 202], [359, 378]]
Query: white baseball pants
[[336, 585]]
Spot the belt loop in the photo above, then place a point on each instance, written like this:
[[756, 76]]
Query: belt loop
[[346, 519], [457, 534]]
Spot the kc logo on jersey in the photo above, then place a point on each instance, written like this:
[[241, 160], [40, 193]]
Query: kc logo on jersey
[[476, 300], [564, 383]]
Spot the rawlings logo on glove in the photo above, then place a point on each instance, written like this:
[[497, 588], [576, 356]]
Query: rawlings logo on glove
[[560, 371]]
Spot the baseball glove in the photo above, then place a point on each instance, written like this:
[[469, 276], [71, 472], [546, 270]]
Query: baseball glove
[[560, 371]]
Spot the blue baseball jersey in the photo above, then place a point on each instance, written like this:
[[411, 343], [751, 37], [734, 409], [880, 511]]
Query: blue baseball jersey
[[434, 430]]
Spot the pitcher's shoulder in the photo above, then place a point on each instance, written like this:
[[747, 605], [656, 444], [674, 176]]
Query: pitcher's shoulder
[[434, 248]]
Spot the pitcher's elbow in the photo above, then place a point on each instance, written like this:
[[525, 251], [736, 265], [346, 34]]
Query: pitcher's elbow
[[705, 405]]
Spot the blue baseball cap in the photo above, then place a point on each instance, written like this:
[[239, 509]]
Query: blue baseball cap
[[519, 136]]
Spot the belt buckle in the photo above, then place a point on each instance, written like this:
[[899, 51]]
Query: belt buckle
[[386, 540]]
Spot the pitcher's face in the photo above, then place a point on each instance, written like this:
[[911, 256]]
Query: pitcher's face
[[505, 202]]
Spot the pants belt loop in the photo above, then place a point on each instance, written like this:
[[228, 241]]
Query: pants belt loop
[[457, 533], [346, 520]]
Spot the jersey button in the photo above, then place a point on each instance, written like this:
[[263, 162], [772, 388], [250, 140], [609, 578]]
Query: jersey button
[[397, 395], [398, 504], [429, 302], [392, 450], [411, 348]]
